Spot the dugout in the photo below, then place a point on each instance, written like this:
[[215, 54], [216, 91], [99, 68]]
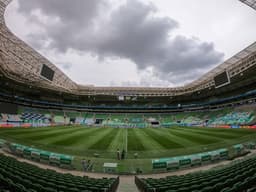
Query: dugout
[[173, 164], [238, 149], [223, 153], [60, 159], [13, 147], [189, 160], [250, 145], [206, 157], [42, 156], [19, 150], [54, 159], [215, 156], [160, 164], [66, 160], [45, 156], [185, 161], [35, 154], [196, 160], [27, 152]]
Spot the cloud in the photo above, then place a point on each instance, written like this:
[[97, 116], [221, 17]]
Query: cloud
[[132, 31], [78, 12]]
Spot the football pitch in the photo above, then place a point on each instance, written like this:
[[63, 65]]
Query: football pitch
[[100, 144], [147, 142]]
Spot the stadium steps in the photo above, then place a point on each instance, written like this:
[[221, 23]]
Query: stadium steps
[[127, 184]]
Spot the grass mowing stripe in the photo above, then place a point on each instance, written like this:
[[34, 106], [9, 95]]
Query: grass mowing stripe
[[117, 142], [162, 140], [182, 141], [221, 130], [50, 134], [71, 138], [134, 142], [104, 141], [81, 138], [41, 133], [176, 143], [147, 141], [195, 138], [224, 135], [28, 131], [23, 130], [33, 137]]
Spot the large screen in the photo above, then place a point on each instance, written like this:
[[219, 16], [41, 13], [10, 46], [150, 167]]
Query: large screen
[[47, 72], [221, 79], [8, 108]]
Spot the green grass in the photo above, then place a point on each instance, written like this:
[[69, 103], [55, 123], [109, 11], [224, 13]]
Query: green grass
[[148, 143]]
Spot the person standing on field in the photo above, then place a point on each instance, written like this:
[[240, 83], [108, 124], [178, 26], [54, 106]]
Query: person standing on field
[[118, 154], [123, 155], [84, 165]]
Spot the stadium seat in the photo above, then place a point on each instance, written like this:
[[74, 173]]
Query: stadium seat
[[23, 177], [236, 177]]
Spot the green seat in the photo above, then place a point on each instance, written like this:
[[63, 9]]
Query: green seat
[[227, 189]]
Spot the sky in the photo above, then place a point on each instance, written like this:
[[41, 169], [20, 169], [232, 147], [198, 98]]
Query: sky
[[155, 43]]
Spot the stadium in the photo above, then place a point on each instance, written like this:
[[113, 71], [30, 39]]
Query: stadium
[[58, 135]]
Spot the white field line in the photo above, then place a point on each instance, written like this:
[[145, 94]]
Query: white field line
[[126, 143]]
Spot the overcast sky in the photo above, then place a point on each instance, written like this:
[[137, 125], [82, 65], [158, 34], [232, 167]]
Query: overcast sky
[[134, 42]]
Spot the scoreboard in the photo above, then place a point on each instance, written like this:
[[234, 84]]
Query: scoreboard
[[222, 79], [47, 73]]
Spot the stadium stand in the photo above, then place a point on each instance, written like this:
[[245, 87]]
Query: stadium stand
[[233, 118], [72, 114], [79, 120], [118, 118], [101, 118], [30, 117], [18, 176], [239, 176], [14, 118], [241, 115], [192, 121], [135, 118], [60, 120], [4, 117]]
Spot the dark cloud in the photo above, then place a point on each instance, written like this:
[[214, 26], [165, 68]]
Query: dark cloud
[[131, 31], [78, 12]]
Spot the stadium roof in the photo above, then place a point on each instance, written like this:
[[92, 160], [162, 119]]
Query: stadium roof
[[22, 63], [251, 3], [227, 65]]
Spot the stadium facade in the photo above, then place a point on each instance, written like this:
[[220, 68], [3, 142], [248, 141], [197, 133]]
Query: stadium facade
[[24, 73]]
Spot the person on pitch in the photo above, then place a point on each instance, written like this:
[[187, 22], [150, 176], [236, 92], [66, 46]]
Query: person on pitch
[[84, 165], [123, 154], [118, 154]]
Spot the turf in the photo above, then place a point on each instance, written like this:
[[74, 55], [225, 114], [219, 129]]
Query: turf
[[148, 143], [83, 140]]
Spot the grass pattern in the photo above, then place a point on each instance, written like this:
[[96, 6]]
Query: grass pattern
[[79, 139], [134, 141]]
